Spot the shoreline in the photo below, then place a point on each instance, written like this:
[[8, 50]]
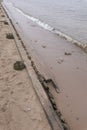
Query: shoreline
[[52, 29], [20, 107], [50, 54]]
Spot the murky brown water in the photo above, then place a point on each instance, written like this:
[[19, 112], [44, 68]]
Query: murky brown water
[[68, 16]]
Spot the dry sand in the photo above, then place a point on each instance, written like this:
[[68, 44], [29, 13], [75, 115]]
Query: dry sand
[[20, 108]]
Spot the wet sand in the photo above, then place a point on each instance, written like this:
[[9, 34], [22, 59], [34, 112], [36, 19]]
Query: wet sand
[[69, 72], [61, 61], [20, 108]]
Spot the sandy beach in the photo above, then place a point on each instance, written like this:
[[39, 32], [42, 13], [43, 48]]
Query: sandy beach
[[20, 108], [55, 58]]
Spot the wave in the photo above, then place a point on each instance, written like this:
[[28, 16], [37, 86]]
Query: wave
[[48, 27]]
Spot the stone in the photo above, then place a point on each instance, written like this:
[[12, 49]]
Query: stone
[[60, 60], [44, 46], [5, 22], [19, 65], [68, 53], [9, 36]]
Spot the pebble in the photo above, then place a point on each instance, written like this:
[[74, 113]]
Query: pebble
[[28, 109], [60, 60], [44, 46], [77, 68], [19, 65], [9, 36], [68, 53], [5, 22], [62, 118], [77, 118]]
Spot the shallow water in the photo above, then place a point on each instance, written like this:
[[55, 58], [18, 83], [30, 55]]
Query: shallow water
[[68, 16]]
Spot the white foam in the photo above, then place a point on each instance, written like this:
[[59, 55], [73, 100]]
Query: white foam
[[37, 21], [47, 27]]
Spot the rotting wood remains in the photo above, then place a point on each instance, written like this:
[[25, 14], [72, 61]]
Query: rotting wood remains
[[50, 96]]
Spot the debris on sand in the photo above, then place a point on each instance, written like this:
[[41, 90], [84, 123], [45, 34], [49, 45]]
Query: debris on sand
[[9, 36], [5, 22], [68, 53], [19, 65], [44, 46], [60, 60], [2, 15]]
